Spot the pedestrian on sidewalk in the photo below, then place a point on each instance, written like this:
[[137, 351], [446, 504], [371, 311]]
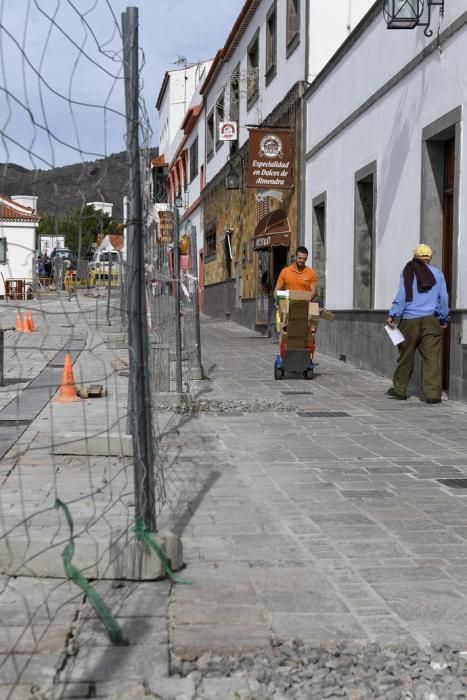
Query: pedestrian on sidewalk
[[298, 277], [422, 307]]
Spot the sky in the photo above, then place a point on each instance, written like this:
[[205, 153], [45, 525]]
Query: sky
[[61, 72]]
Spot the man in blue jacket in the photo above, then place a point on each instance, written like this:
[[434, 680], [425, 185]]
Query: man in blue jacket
[[421, 304]]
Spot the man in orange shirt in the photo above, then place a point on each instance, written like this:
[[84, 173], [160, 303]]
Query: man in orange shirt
[[297, 276]]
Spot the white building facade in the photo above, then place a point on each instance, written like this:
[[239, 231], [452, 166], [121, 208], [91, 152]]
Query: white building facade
[[173, 101], [385, 171], [180, 108], [18, 242]]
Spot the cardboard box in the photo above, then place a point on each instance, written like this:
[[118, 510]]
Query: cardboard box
[[313, 307], [313, 313], [303, 296], [293, 342], [297, 326], [284, 297]]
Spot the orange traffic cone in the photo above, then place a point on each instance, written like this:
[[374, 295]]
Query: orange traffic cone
[[30, 323], [19, 322], [67, 392]]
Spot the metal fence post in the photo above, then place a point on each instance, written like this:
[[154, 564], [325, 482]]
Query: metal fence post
[[109, 289], [199, 364], [178, 320], [139, 382]]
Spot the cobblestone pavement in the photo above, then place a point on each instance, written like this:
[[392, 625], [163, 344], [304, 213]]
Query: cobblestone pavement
[[308, 510], [330, 522]]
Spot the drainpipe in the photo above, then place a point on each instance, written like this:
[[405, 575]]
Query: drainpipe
[[301, 137]]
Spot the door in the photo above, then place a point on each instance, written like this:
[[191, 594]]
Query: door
[[448, 209], [262, 286], [238, 285]]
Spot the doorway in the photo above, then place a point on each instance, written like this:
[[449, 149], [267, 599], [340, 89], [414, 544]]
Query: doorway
[[270, 262], [439, 206], [448, 220], [318, 233], [279, 261]]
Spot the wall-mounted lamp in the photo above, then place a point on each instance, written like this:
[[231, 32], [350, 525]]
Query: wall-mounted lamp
[[178, 201], [232, 179], [408, 14]]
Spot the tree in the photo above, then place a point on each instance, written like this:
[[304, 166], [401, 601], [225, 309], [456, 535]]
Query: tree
[[80, 227]]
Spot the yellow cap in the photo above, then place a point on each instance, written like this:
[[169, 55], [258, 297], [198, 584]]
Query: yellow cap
[[422, 251]]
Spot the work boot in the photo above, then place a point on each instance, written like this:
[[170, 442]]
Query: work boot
[[394, 395]]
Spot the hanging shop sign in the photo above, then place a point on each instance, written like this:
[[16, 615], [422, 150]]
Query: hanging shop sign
[[166, 226], [271, 240], [228, 131], [270, 159]]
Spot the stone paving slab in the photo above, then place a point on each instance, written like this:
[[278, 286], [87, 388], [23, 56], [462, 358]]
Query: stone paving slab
[[354, 502], [324, 528]]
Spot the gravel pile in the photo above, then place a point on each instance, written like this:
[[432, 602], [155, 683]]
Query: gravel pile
[[236, 406], [296, 671]]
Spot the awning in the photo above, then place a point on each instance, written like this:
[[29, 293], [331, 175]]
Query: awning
[[272, 230]]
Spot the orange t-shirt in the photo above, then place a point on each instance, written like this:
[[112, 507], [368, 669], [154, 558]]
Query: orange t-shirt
[[295, 280]]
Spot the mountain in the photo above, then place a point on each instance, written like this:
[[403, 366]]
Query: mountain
[[69, 187]]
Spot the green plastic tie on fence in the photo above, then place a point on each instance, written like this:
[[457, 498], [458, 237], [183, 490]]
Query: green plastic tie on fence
[[148, 541], [77, 577]]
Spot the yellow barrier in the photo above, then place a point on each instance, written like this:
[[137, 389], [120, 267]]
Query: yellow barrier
[[101, 279]]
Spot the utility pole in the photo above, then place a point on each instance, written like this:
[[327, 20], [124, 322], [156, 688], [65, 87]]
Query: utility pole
[[139, 403]]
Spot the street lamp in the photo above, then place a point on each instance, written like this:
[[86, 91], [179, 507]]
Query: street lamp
[[407, 14], [232, 179]]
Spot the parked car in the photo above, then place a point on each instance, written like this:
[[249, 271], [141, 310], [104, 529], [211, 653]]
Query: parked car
[[103, 260], [64, 255]]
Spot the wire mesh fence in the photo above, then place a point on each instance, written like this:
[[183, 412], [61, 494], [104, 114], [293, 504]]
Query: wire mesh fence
[[174, 334], [85, 476]]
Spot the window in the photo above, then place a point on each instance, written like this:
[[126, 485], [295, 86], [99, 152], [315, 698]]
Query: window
[[235, 94], [364, 245], [210, 135], [3, 249], [220, 116], [271, 44], [210, 241], [261, 209], [107, 256], [318, 229], [194, 159], [228, 257], [253, 71], [293, 25], [234, 110]]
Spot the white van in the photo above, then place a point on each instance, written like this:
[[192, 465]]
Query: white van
[[104, 260]]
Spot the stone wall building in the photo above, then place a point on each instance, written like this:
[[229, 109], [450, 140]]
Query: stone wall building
[[257, 80]]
